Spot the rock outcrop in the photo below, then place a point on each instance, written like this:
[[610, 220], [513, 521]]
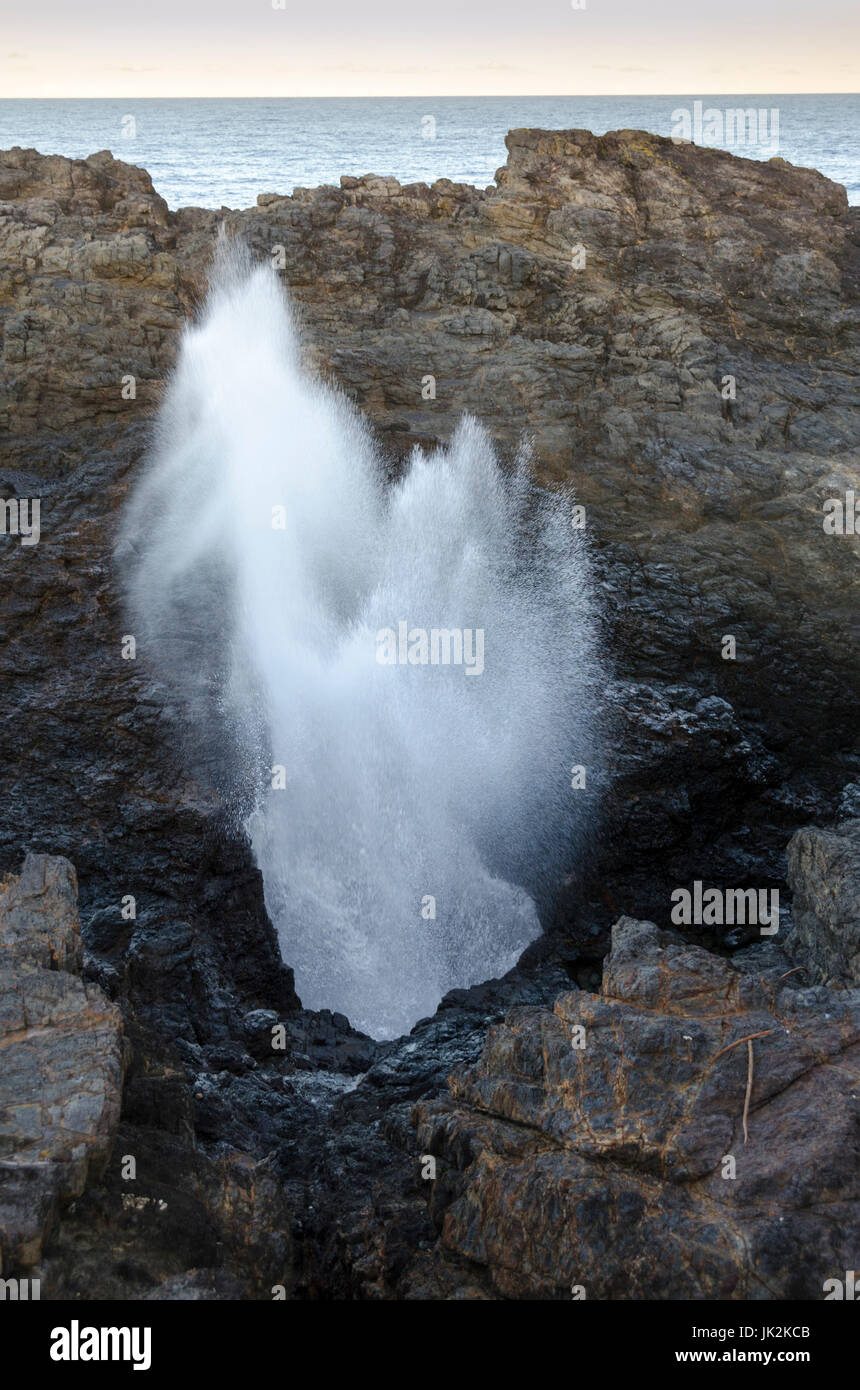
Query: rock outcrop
[[676, 330], [692, 1132], [824, 874], [698, 266], [62, 1059], [705, 512]]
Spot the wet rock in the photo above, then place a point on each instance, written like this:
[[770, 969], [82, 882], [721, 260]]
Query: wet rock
[[624, 1158], [699, 265], [705, 518], [824, 874]]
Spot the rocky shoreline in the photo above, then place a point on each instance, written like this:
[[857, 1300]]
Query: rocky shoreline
[[301, 1169]]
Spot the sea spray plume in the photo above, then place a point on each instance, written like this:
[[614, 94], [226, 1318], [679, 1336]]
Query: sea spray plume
[[415, 814]]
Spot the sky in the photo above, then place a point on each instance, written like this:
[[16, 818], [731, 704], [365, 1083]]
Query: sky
[[152, 48]]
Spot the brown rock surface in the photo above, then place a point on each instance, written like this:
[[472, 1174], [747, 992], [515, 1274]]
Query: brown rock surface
[[705, 513], [698, 265], [706, 518], [604, 1165], [62, 1147], [62, 1059]]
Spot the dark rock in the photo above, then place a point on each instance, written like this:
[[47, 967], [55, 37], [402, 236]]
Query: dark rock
[[824, 874], [297, 1167]]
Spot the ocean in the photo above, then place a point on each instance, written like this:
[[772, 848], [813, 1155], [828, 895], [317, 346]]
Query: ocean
[[221, 153]]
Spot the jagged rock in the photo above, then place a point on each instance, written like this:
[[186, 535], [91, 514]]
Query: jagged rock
[[705, 514], [604, 1165], [39, 917], [221, 1225], [61, 1043], [687, 787], [705, 518], [824, 875]]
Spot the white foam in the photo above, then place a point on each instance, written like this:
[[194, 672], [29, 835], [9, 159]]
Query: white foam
[[403, 782]]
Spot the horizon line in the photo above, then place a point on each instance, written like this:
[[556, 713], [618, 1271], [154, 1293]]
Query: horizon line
[[431, 96]]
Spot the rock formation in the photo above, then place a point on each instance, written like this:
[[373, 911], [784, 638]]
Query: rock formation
[[684, 1134], [824, 873], [676, 330], [62, 1049]]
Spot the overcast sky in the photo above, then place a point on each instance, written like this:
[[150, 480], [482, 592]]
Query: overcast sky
[[439, 47]]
